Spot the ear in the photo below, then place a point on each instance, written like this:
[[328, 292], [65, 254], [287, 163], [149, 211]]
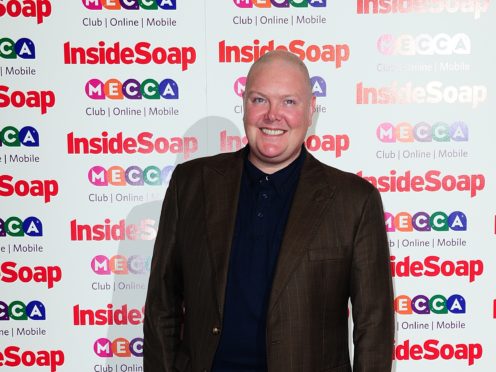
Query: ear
[[313, 103]]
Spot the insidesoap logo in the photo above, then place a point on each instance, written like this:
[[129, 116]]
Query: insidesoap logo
[[119, 347], [142, 53], [433, 349], [26, 136], [121, 265], [42, 100], [11, 273], [424, 44], [38, 9], [131, 89], [432, 92], [16, 227], [46, 189], [336, 54], [423, 305], [476, 7], [18, 310], [144, 230], [23, 48], [280, 3], [431, 181], [422, 132], [423, 221], [433, 266], [338, 143], [129, 4], [14, 356], [319, 86], [108, 316], [142, 143]]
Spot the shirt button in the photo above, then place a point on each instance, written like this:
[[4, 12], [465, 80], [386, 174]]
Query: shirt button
[[265, 196], [215, 331], [260, 214]]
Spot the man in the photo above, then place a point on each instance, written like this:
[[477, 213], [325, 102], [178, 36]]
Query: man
[[259, 251]]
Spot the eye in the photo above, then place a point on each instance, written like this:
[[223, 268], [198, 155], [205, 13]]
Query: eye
[[258, 100], [290, 101]]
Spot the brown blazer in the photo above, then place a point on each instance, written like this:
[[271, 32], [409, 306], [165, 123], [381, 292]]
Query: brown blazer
[[334, 249]]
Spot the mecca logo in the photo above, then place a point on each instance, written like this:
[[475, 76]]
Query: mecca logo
[[48, 275], [143, 143], [23, 48], [45, 189], [131, 176], [13, 356], [319, 86], [120, 347], [337, 54], [107, 316], [431, 181], [431, 266], [121, 265], [18, 310], [42, 100], [422, 132], [432, 349], [38, 9], [131, 89], [432, 92], [13, 137], [422, 221], [145, 230], [15, 227], [239, 86], [412, 6], [424, 44], [280, 3], [142, 53], [129, 4], [423, 305]]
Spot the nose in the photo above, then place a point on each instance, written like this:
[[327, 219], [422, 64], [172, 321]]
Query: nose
[[273, 113]]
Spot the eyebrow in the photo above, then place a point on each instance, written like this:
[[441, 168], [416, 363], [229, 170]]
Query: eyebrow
[[251, 92]]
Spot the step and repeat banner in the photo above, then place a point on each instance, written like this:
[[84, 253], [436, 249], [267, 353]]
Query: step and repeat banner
[[101, 99]]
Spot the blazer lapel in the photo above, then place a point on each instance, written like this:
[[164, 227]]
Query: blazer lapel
[[221, 184], [312, 196]]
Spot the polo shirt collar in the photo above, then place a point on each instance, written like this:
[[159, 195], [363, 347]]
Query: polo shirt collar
[[281, 180]]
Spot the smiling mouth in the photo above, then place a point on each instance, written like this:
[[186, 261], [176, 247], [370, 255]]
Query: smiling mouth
[[272, 132]]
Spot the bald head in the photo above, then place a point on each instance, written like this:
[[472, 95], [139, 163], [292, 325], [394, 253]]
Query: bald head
[[282, 57], [278, 106]]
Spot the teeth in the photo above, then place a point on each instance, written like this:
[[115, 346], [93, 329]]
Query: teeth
[[272, 132]]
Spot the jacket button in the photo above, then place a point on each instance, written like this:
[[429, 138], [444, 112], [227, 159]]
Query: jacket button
[[215, 331]]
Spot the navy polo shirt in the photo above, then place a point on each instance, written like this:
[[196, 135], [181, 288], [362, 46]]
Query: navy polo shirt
[[263, 208]]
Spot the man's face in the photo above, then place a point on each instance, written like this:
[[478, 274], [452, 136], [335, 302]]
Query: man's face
[[278, 109]]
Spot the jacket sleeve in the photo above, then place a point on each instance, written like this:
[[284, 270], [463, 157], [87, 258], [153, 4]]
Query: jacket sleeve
[[164, 299], [371, 291]]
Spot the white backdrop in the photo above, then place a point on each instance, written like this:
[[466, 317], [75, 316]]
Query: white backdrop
[[100, 99]]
